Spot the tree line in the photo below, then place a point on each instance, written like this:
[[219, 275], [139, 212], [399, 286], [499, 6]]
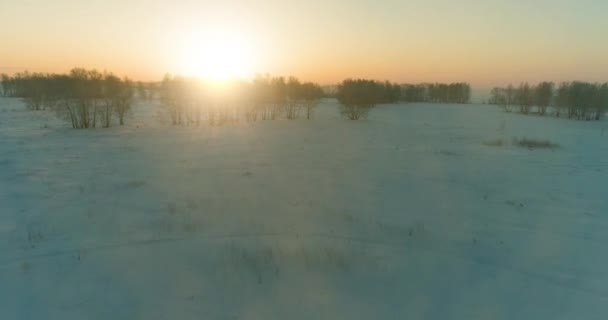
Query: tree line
[[89, 98], [86, 98], [574, 100], [459, 92], [358, 96], [190, 100]]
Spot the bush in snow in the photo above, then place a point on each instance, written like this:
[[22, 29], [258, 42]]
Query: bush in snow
[[358, 97], [494, 143], [535, 144]]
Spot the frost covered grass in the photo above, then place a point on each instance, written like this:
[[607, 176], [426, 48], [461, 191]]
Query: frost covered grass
[[535, 144], [495, 143], [531, 144]]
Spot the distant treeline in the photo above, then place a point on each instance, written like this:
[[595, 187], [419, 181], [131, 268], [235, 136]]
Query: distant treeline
[[358, 96], [87, 98], [190, 100], [459, 92], [575, 100]]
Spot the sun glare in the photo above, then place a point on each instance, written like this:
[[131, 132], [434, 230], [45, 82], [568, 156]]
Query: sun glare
[[217, 54]]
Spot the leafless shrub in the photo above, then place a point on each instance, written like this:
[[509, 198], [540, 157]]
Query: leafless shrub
[[535, 144], [358, 97], [263, 261], [495, 143]]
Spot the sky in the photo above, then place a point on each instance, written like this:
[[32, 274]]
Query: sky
[[485, 42]]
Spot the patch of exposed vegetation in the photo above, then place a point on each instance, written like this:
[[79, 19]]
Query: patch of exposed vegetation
[[535, 144], [495, 143], [524, 143]]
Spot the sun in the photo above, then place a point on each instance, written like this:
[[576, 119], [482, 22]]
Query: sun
[[217, 54]]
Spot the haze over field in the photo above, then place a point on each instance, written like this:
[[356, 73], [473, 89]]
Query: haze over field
[[312, 159], [486, 43]]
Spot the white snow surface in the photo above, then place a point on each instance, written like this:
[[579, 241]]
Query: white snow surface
[[405, 215]]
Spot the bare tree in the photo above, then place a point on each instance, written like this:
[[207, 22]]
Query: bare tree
[[602, 103], [524, 98], [122, 99], [358, 97], [278, 96], [562, 98], [5, 79], [111, 90], [543, 96], [170, 97], [498, 97], [294, 98], [311, 95]]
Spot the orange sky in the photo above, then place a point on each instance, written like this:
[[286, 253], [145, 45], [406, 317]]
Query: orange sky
[[484, 42]]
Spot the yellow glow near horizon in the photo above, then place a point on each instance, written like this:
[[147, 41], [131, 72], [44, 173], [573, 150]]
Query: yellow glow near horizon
[[216, 54], [316, 40]]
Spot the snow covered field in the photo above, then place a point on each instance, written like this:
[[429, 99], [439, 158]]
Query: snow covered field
[[406, 215]]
